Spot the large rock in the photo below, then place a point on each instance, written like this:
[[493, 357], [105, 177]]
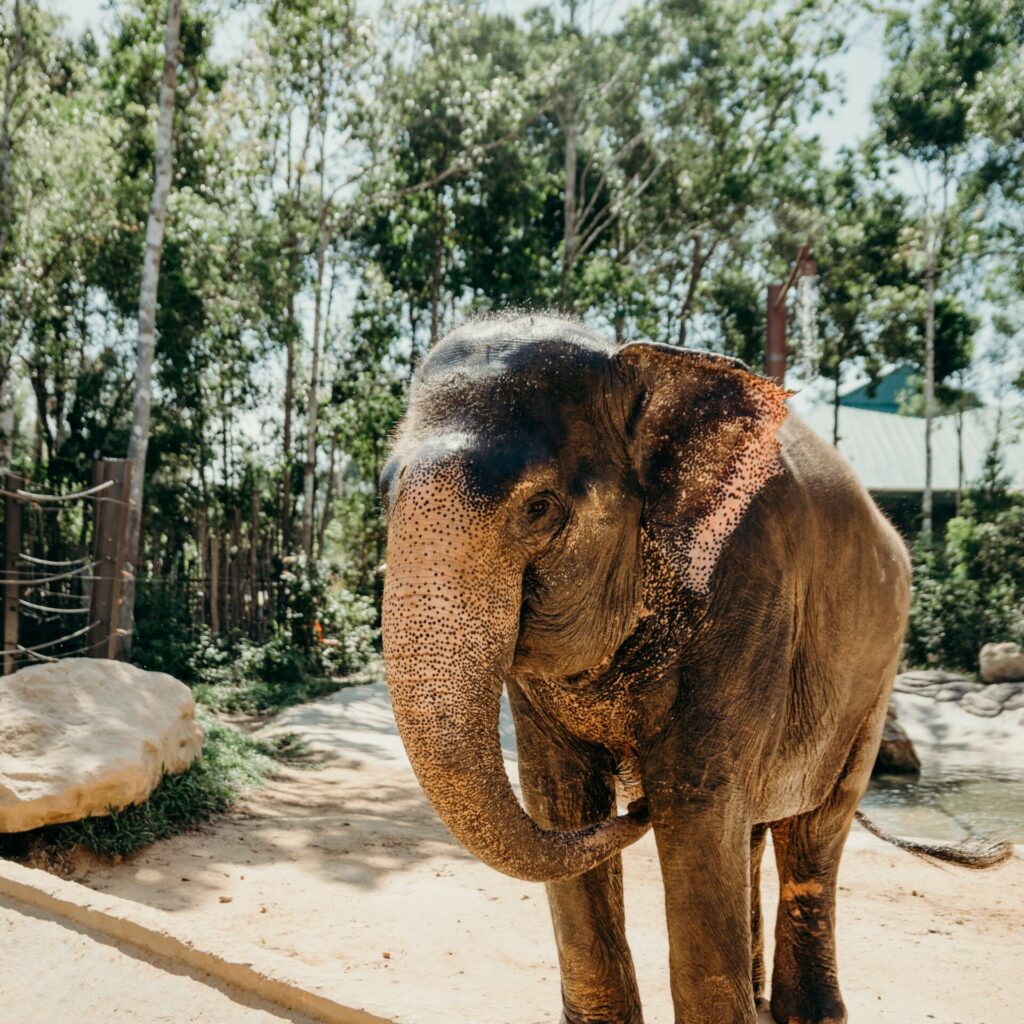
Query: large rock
[[927, 682], [980, 705], [1001, 663], [896, 753], [83, 736]]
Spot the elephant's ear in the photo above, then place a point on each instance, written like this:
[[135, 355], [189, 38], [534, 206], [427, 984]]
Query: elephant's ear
[[702, 430]]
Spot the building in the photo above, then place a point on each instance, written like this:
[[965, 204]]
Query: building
[[887, 449]]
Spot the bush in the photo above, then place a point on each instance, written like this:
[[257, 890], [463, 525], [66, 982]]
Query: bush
[[968, 589], [332, 626], [323, 631], [165, 634]]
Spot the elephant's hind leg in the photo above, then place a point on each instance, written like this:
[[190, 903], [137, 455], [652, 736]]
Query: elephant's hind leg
[[758, 836], [805, 984]]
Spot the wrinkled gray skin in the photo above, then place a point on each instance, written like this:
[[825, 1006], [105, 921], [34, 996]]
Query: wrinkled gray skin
[[677, 591]]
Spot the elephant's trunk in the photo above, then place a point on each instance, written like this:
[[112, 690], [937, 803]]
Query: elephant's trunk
[[451, 618]]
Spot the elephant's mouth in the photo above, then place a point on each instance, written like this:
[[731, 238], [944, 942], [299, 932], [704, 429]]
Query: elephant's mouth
[[627, 773]]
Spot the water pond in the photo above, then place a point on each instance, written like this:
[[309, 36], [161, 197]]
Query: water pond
[[971, 781]]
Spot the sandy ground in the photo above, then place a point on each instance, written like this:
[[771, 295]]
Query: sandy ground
[[346, 871], [54, 972]]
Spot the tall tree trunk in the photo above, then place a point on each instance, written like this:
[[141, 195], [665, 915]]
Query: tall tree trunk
[[929, 394], [960, 449], [286, 439], [142, 400], [11, 69], [835, 406], [570, 129], [328, 509], [6, 424], [436, 269], [698, 261], [309, 470]]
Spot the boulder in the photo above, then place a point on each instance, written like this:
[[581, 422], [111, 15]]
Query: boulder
[[1002, 692], [954, 691], [980, 705], [1001, 663], [85, 736], [896, 753], [927, 682], [1014, 703]]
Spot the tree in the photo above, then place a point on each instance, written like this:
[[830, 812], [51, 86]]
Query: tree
[[864, 281], [142, 398], [56, 187], [939, 55]]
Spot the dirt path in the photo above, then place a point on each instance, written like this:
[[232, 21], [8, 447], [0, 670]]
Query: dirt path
[[346, 871], [63, 974]]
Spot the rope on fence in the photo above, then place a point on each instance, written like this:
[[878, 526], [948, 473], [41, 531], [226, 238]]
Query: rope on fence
[[51, 643], [32, 560], [4, 578], [32, 654], [84, 610], [73, 496]]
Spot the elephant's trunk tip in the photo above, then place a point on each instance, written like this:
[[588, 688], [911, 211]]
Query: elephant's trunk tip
[[639, 811]]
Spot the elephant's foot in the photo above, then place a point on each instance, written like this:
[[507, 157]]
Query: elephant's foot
[[627, 1017], [815, 1004]]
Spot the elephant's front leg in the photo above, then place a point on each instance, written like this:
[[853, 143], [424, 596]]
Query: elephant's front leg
[[704, 847], [564, 787]]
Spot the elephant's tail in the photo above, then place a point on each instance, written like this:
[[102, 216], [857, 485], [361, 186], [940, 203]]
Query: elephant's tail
[[969, 853]]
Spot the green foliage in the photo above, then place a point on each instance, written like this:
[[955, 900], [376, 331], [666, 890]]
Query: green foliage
[[165, 633], [968, 589], [324, 632], [322, 622]]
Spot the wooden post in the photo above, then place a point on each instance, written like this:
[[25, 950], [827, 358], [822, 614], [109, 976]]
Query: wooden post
[[201, 563], [214, 588], [254, 572], [775, 340], [236, 569], [12, 548], [109, 545]]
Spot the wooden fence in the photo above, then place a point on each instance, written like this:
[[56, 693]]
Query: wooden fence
[[49, 584]]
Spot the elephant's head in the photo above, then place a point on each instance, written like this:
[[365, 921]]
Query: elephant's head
[[536, 470]]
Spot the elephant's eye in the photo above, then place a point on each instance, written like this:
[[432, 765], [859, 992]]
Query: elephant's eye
[[542, 512], [538, 508]]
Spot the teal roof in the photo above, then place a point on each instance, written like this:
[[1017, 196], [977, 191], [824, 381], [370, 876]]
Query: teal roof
[[885, 394], [887, 452]]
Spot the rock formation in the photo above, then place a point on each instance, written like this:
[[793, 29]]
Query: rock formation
[[83, 736]]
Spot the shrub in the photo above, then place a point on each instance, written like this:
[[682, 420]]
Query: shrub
[[164, 638], [323, 631], [968, 589], [330, 625]]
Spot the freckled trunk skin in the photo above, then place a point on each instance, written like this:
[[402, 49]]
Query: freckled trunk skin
[[451, 618]]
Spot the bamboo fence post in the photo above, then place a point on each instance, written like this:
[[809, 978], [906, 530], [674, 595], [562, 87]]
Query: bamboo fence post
[[254, 583], [213, 581], [12, 549], [109, 545]]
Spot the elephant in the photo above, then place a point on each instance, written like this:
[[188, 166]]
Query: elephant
[[692, 604]]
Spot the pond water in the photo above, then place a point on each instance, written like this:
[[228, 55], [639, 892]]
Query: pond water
[[951, 797]]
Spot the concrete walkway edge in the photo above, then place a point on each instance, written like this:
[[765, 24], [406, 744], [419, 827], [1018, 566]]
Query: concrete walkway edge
[[153, 932]]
